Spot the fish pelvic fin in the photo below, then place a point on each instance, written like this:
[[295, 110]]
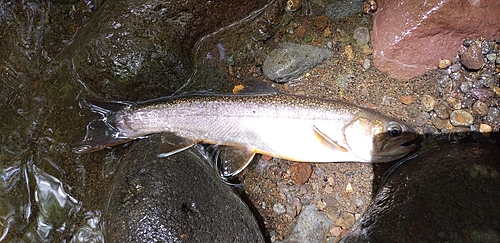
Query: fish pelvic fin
[[101, 132], [171, 144], [325, 139]]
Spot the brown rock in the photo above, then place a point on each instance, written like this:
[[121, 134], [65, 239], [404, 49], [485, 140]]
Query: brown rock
[[410, 36], [301, 173], [321, 22], [406, 99], [472, 58]]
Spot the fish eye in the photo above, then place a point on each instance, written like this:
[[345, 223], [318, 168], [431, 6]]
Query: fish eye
[[394, 130]]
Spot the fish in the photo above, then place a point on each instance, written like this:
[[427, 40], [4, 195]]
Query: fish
[[291, 127]]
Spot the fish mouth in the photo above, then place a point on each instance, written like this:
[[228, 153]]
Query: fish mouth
[[396, 149]]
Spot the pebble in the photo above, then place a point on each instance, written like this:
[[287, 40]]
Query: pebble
[[421, 119], [291, 60], [279, 208], [480, 108], [485, 128], [442, 110], [406, 99], [300, 173], [482, 94], [367, 50], [349, 53], [491, 57], [311, 226], [472, 58], [444, 63], [428, 102], [496, 89], [321, 22], [493, 115], [361, 35], [262, 30], [345, 220], [454, 103], [461, 118], [366, 64], [438, 122]]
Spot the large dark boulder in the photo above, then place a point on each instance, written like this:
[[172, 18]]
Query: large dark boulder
[[179, 198], [449, 194]]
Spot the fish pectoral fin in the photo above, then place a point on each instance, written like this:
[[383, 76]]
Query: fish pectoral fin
[[171, 144], [232, 160], [328, 140]]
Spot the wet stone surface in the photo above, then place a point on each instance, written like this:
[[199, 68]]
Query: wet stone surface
[[179, 198], [449, 193]]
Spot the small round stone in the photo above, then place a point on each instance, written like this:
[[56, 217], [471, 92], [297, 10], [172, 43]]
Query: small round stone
[[461, 118], [485, 128], [444, 63], [366, 64], [428, 102], [279, 208], [361, 35], [438, 122], [493, 115], [472, 58], [480, 108], [442, 111], [421, 119]]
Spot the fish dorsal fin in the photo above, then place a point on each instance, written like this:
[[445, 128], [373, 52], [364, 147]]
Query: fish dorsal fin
[[328, 140], [232, 160], [171, 144], [254, 86]]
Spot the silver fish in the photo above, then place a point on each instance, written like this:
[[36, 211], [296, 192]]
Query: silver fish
[[296, 128]]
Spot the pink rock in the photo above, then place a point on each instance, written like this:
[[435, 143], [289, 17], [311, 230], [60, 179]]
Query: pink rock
[[409, 37]]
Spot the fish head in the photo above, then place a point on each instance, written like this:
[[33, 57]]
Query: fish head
[[378, 138]]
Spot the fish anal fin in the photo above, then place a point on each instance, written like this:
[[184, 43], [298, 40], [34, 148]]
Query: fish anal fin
[[171, 144], [325, 139], [232, 160]]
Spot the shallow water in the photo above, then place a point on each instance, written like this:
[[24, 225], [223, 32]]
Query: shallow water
[[38, 175]]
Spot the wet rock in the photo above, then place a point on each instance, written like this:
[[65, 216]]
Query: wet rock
[[448, 194], [461, 118], [410, 37], [145, 46], [311, 226], [472, 58], [179, 198], [292, 60]]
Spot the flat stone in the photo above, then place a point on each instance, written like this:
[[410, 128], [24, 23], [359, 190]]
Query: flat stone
[[410, 37]]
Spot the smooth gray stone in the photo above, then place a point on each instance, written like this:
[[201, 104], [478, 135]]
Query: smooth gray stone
[[448, 194], [179, 198]]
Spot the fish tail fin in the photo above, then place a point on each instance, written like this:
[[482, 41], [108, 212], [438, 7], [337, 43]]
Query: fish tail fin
[[101, 132]]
